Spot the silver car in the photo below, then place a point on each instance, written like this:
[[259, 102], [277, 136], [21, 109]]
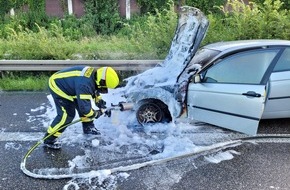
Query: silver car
[[228, 84]]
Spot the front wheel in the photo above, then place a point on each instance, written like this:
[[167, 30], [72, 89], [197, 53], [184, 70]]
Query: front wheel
[[149, 113]]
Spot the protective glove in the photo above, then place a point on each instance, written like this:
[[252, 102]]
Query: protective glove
[[101, 104], [108, 112], [98, 113]]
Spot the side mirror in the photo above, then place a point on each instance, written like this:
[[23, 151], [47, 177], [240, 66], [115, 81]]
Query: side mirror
[[196, 78]]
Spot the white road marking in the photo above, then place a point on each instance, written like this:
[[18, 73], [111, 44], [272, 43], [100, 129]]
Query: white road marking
[[20, 136], [36, 136]]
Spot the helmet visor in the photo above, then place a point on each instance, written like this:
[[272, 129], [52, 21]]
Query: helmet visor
[[102, 88]]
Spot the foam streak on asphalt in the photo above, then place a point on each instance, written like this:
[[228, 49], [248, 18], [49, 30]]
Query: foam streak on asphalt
[[20, 136], [36, 136]]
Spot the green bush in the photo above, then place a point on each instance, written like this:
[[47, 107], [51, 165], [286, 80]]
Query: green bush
[[72, 28], [52, 44], [5, 7], [153, 32], [251, 21], [207, 6], [286, 3], [103, 15], [37, 45], [27, 19], [275, 20], [149, 6], [143, 37]]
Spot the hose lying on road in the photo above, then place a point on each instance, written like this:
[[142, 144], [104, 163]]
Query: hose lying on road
[[23, 162], [206, 149]]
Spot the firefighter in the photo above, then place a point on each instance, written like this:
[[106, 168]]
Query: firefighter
[[73, 89]]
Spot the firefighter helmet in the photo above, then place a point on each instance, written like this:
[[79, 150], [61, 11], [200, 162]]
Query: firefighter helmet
[[107, 77]]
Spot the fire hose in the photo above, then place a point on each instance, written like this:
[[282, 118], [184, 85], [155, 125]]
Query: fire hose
[[121, 106]]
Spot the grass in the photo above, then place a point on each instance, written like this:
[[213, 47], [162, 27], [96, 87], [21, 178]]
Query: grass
[[30, 81], [24, 83]]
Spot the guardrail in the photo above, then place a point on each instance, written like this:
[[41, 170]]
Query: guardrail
[[54, 65]]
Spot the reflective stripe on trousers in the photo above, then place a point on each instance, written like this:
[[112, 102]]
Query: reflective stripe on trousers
[[65, 114]]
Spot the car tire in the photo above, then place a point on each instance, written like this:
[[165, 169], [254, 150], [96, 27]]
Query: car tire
[[149, 113]]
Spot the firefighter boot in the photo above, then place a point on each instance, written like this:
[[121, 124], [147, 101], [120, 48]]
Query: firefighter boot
[[51, 142], [89, 128]]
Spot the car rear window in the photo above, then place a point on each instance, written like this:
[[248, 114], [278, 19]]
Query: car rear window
[[283, 63]]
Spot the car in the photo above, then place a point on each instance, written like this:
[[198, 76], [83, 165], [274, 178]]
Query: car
[[231, 84]]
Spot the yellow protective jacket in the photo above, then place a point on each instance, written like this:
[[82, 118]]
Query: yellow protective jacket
[[76, 84]]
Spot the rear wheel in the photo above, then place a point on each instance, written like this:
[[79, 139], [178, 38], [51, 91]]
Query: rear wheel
[[149, 113]]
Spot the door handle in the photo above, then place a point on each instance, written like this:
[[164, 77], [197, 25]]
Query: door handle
[[252, 94]]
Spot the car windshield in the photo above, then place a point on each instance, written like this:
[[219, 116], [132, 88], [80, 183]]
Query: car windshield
[[203, 56]]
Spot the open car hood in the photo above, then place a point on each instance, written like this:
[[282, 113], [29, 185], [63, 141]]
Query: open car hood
[[190, 31]]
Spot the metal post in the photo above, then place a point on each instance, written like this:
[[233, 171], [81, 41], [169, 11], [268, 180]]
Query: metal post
[[128, 10], [12, 12], [70, 7]]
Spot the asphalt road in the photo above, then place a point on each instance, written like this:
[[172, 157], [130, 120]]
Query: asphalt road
[[255, 166]]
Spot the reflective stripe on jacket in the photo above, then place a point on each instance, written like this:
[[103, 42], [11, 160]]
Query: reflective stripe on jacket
[[76, 83]]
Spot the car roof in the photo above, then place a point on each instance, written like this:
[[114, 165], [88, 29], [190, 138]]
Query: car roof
[[241, 44]]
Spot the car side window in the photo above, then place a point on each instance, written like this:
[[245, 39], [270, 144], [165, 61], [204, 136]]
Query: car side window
[[247, 67], [283, 63]]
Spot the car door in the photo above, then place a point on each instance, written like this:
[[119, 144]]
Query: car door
[[278, 100], [232, 91]]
